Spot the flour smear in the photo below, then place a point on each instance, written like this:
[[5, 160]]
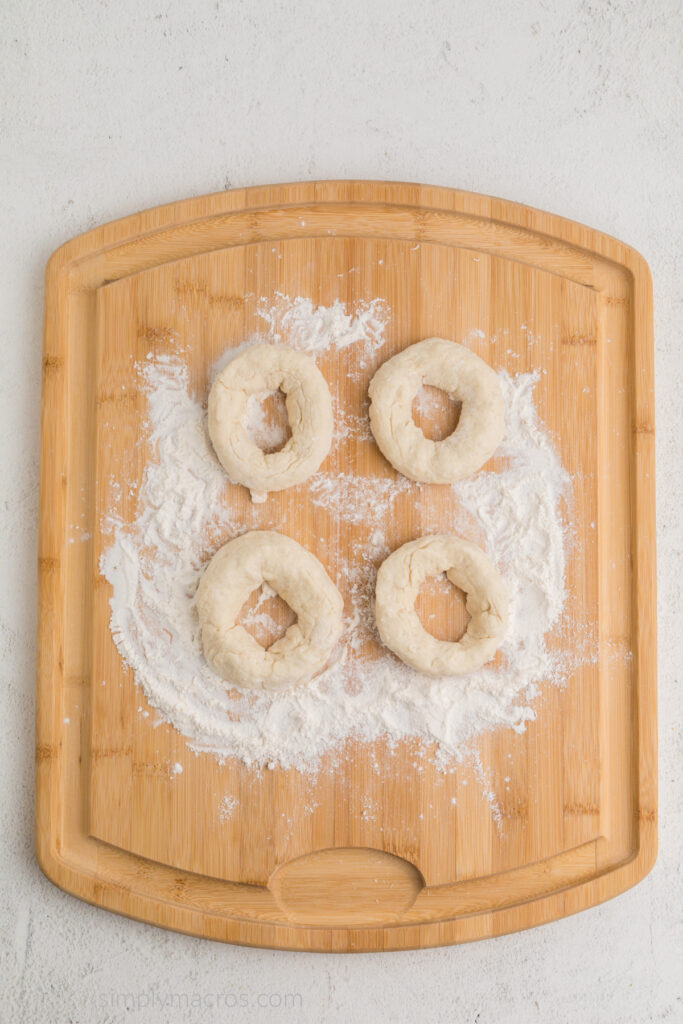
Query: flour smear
[[155, 563]]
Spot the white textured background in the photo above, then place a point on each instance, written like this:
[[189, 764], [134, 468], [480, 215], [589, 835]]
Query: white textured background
[[111, 107]]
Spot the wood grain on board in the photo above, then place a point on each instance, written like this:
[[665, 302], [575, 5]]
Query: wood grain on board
[[385, 852]]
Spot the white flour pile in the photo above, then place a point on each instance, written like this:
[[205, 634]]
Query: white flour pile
[[155, 564]]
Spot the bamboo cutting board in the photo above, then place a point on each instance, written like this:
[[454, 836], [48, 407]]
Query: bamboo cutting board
[[302, 865]]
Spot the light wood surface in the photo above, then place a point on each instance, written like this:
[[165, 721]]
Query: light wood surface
[[304, 863]]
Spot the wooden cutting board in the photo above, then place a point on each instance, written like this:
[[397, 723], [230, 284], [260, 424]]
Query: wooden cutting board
[[301, 864]]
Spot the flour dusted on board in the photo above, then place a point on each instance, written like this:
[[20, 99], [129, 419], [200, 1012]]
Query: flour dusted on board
[[154, 565], [316, 328]]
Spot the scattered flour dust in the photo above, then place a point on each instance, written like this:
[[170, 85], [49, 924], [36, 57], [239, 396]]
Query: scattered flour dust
[[228, 806], [357, 498], [315, 328], [154, 565]]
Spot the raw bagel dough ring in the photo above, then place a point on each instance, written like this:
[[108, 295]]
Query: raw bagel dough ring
[[240, 567], [466, 566], [460, 373], [309, 408]]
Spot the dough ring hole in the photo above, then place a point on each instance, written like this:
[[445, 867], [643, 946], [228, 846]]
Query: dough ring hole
[[440, 607], [435, 412], [266, 616], [267, 422]]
